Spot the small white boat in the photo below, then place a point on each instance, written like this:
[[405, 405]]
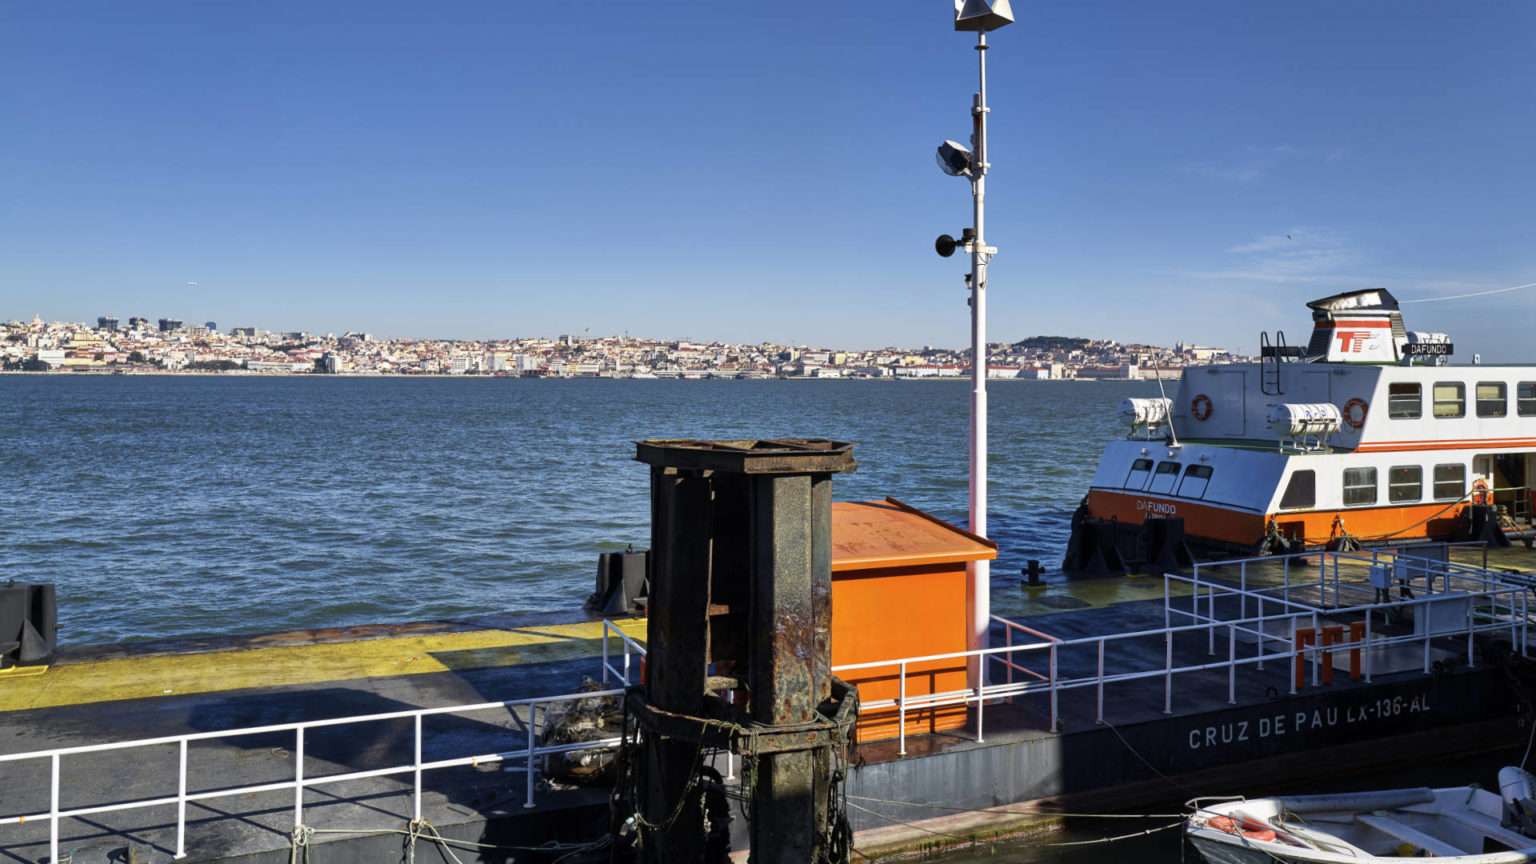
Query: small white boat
[[1464, 824]]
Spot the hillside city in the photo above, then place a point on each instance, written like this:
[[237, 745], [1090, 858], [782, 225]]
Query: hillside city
[[170, 345]]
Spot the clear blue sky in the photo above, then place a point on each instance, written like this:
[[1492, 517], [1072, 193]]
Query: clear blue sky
[[764, 171]]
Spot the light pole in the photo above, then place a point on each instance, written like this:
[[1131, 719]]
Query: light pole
[[981, 16]]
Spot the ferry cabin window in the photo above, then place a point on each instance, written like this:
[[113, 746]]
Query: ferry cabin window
[[1141, 469], [1196, 478], [1405, 400], [1405, 483], [1525, 398], [1359, 486], [1162, 481], [1450, 399], [1300, 492], [1492, 399], [1450, 482]]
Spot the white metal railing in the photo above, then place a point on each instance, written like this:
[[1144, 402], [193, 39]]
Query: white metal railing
[[622, 673], [1273, 628], [527, 754], [1293, 567], [1496, 607]]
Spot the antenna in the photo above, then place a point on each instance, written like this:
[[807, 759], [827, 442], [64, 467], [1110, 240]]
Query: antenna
[[1173, 436]]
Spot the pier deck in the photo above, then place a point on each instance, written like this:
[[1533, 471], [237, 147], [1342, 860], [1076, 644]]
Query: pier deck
[[1217, 729]]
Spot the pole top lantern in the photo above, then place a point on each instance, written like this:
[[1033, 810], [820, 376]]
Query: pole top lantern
[[983, 15]]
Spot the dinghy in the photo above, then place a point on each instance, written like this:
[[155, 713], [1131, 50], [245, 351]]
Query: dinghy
[[1462, 824]]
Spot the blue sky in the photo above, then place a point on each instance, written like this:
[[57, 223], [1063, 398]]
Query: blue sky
[[764, 171]]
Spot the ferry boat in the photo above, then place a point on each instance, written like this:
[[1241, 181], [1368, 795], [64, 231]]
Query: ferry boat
[[1364, 437]]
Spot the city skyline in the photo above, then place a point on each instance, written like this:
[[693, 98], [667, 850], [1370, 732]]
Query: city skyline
[[1191, 172]]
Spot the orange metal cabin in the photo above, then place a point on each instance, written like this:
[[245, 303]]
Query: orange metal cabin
[[899, 590]]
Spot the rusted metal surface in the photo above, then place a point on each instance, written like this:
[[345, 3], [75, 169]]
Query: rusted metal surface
[[722, 725], [765, 456], [742, 579], [677, 667]]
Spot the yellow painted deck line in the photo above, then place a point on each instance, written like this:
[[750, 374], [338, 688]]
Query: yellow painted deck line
[[214, 671]]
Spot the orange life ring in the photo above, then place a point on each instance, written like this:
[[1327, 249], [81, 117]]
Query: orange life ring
[[1200, 406], [1247, 826], [1349, 413], [1480, 491]]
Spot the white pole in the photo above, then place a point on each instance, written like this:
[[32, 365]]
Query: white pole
[[980, 571]]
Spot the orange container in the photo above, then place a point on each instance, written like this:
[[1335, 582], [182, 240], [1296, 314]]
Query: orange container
[[899, 589]]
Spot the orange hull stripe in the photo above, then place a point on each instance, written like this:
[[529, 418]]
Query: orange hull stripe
[[1202, 520], [1454, 444], [1214, 522]]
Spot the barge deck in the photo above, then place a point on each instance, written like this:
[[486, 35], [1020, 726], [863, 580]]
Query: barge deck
[[1173, 699]]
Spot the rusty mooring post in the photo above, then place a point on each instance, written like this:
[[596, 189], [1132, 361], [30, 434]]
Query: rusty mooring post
[[741, 578]]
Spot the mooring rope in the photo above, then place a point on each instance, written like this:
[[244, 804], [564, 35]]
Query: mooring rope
[[1049, 814]]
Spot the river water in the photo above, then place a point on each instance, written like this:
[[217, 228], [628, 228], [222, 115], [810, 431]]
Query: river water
[[180, 505]]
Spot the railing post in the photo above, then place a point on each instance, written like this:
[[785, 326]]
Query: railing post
[[298, 777], [418, 749], [1317, 633], [1262, 634], [1367, 647], [1242, 581], [1471, 628], [53, 812], [1055, 691], [181, 804], [1168, 672], [533, 738], [901, 712], [1210, 611], [1335, 583], [1425, 607], [1231, 664], [1295, 654], [605, 655], [1008, 632], [1100, 687], [981, 701]]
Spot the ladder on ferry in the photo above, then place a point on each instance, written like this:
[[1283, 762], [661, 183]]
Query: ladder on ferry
[[1270, 358]]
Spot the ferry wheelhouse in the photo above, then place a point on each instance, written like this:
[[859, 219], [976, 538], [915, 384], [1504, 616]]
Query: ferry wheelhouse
[[1364, 437]]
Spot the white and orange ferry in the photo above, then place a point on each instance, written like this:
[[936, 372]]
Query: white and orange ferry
[[1365, 437]]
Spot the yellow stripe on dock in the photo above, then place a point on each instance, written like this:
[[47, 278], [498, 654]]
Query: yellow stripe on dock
[[214, 671]]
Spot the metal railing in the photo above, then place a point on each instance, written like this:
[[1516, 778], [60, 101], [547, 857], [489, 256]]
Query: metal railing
[[1498, 607], [1495, 607], [416, 767], [622, 673]]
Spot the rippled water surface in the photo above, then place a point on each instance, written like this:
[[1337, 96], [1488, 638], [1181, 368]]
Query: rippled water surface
[[165, 506]]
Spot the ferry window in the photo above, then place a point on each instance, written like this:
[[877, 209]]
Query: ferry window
[[1450, 399], [1141, 469], [1491, 399], [1359, 486], [1450, 482], [1405, 483], [1525, 398], [1301, 491], [1162, 481], [1405, 400], [1196, 478]]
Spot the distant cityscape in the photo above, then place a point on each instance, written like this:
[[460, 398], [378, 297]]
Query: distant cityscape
[[169, 345]]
